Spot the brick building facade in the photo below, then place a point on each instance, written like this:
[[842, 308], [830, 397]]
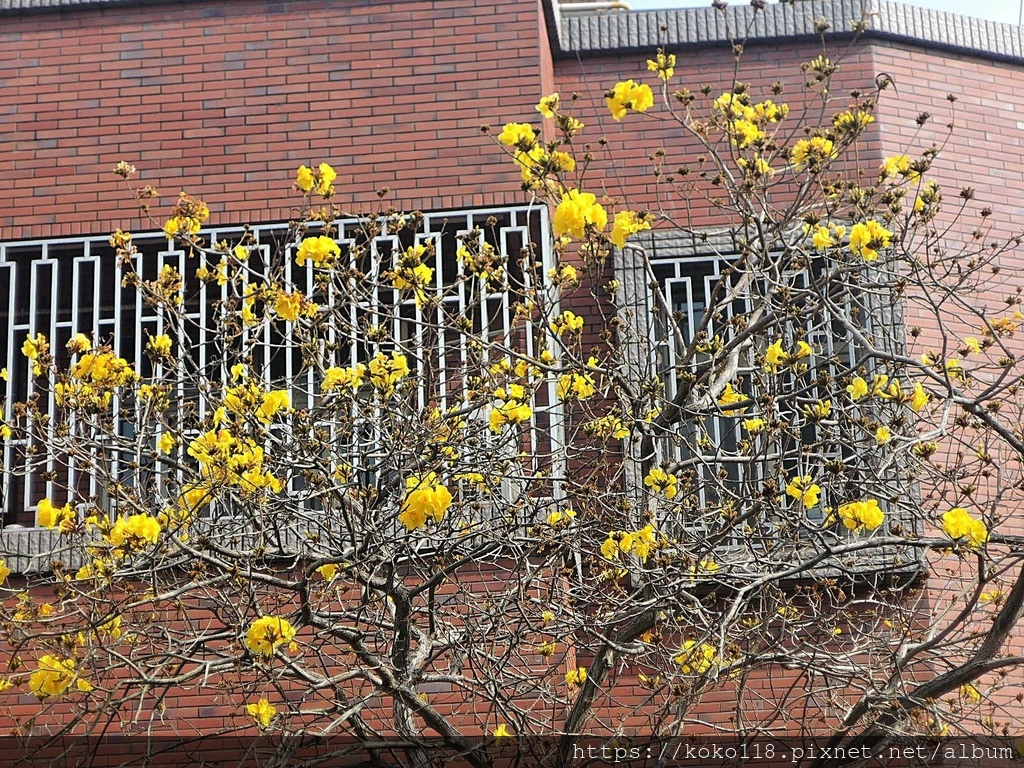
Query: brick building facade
[[226, 99]]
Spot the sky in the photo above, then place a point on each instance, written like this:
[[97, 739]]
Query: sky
[[995, 10]]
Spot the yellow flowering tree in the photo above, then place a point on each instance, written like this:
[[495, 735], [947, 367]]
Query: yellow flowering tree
[[394, 484]]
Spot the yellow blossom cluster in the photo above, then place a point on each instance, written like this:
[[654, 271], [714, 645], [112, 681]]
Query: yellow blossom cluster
[[576, 386], [53, 676], [804, 490], [861, 515], [411, 274], [511, 408], [776, 359], [93, 379], [290, 306], [884, 389], [320, 180], [425, 497], [852, 121], [664, 64], [35, 348], [812, 152], [728, 397], [897, 165], [134, 532], [576, 677], [520, 135], [49, 516], [696, 658], [320, 250], [660, 481], [561, 517], [957, 523], [828, 236], [351, 377], [629, 94], [627, 223], [867, 238], [746, 123], [251, 400], [159, 346], [567, 322], [576, 212], [262, 713], [267, 634], [187, 217], [639, 543], [386, 373], [225, 459], [605, 427]]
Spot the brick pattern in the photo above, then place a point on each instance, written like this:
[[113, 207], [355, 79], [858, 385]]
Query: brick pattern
[[228, 99]]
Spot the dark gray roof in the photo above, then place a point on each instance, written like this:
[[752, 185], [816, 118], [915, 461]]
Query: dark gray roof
[[603, 32]]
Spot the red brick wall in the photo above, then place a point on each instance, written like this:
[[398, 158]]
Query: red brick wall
[[624, 171], [227, 99]]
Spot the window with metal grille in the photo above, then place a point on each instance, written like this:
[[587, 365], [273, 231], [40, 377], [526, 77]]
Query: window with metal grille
[[670, 282], [61, 287]]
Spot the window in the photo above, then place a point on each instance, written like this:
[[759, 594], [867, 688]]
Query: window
[[734, 471], [62, 287]]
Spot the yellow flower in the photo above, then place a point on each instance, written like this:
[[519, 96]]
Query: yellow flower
[[53, 676], [610, 548], [896, 165], [627, 223], [262, 712], [804, 490], [34, 346], [517, 135], [502, 732], [304, 179], [696, 658], [861, 514], [822, 238], [548, 105], [159, 346], [920, 398], [851, 121], [328, 571], [4, 571], [166, 443], [288, 306], [111, 629], [812, 152], [352, 378], [49, 516], [268, 633], [970, 693], [321, 250], [578, 386], [325, 186], [664, 64], [567, 322], [728, 397], [776, 358], [78, 343], [576, 677], [866, 238], [547, 648], [883, 435], [858, 388], [135, 531], [754, 426], [971, 345], [424, 497], [629, 94], [386, 373], [575, 212], [958, 524], [659, 481]]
